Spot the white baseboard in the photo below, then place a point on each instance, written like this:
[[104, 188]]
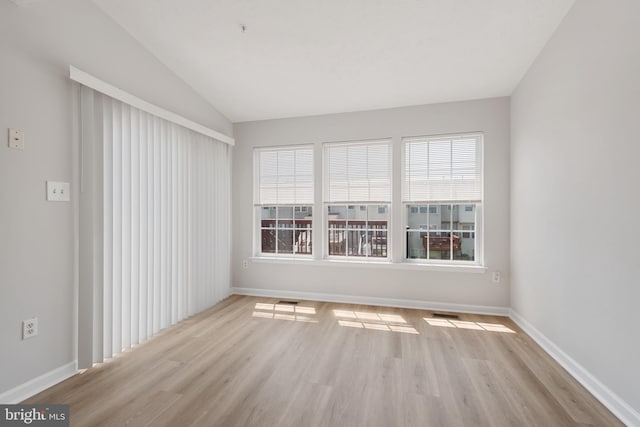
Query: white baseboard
[[608, 398], [38, 384], [377, 301]]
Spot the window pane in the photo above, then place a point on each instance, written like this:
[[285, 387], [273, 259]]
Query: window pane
[[285, 212], [439, 245], [357, 213], [268, 237], [356, 230], [378, 213], [285, 240], [438, 241], [302, 244], [337, 212], [378, 243], [303, 216], [417, 218], [268, 212], [416, 244], [377, 224], [466, 224], [337, 239], [441, 219], [303, 224], [355, 241]]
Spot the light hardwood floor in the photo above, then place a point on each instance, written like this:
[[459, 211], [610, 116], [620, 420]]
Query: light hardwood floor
[[248, 362]]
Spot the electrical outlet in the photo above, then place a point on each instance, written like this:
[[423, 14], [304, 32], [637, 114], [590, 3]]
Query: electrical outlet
[[496, 277], [245, 264], [29, 328]]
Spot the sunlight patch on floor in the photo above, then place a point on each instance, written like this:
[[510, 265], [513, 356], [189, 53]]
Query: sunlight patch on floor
[[375, 321], [288, 312], [463, 324]]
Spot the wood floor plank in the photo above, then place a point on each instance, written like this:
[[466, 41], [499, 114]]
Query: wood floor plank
[[253, 362]]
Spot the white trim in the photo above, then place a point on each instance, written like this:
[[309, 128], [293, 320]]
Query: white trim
[[608, 398], [377, 301], [119, 94], [355, 263], [38, 384]]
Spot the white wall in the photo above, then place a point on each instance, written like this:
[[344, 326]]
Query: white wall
[[575, 156], [490, 116], [37, 45]]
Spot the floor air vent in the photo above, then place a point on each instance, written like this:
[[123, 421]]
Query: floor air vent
[[445, 316], [287, 302]]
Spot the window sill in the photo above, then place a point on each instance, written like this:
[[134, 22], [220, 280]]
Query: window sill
[[373, 264]]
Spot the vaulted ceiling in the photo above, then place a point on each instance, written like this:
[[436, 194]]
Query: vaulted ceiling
[[306, 57]]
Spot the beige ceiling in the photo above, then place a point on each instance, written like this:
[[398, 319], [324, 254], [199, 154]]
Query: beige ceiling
[[306, 57]]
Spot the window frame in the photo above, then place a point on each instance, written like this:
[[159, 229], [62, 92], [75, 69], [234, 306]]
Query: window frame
[[397, 255], [257, 207], [324, 232], [479, 205]]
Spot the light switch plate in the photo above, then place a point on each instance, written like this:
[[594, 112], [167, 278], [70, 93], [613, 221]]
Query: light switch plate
[[16, 139], [58, 191]]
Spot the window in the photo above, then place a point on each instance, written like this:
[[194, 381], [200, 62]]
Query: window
[[357, 174], [283, 200], [443, 175]]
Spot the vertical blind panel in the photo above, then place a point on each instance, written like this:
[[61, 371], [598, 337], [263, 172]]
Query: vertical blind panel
[[166, 239], [284, 176], [443, 168], [209, 171], [108, 227], [358, 172]]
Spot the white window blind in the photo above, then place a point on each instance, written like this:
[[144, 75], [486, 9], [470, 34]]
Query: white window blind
[[154, 221], [283, 175], [443, 168], [358, 171]]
